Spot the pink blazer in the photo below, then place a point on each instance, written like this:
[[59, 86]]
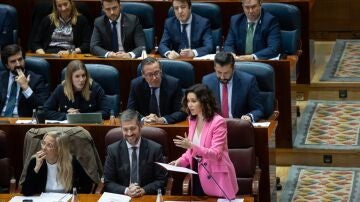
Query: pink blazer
[[214, 152]]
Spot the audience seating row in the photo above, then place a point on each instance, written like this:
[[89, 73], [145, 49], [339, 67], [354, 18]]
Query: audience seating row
[[289, 17], [242, 153]]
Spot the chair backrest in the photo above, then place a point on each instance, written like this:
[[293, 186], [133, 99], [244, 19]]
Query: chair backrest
[[241, 144], [289, 17], [6, 174], [145, 13], [213, 13], [181, 70], [82, 147], [38, 66], [108, 78], [3, 144], [152, 133], [265, 77], [8, 25]]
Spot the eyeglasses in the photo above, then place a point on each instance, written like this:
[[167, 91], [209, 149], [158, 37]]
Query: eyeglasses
[[154, 74], [49, 146]]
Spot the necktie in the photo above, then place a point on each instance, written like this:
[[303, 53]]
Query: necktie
[[249, 39], [114, 38], [153, 104], [12, 100], [184, 41], [224, 101], [134, 166]]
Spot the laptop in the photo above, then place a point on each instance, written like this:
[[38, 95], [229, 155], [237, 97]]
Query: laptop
[[84, 118]]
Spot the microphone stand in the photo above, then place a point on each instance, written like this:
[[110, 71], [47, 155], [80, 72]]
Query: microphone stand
[[199, 160]]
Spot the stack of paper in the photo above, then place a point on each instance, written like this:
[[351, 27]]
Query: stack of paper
[[111, 197], [44, 197]]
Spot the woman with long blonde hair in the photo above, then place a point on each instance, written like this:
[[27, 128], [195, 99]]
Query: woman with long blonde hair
[[63, 31], [78, 93], [54, 169]]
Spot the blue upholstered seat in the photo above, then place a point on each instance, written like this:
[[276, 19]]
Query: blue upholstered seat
[[290, 25], [108, 78], [8, 25], [181, 70], [265, 77], [213, 13], [145, 13]]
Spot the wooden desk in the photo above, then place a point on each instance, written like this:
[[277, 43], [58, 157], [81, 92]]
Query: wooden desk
[[16, 134], [146, 198], [128, 71]]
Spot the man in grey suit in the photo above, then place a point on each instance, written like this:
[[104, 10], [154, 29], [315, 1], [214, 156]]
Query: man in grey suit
[[129, 166], [116, 34]]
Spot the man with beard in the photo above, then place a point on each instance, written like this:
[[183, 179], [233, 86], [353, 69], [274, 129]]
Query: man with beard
[[235, 91], [21, 91], [117, 34]]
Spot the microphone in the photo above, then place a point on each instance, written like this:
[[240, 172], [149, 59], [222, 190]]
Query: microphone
[[199, 160]]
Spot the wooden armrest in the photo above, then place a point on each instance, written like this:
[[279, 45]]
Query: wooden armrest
[[186, 184], [169, 186], [100, 187]]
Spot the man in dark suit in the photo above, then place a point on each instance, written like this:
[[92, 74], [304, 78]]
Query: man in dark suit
[[254, 34], [116, 34], [21, 91], [243, 99], [193, 40], [129, 166], [156, 95]]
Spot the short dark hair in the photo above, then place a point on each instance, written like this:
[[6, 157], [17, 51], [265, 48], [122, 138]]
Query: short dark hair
[[148, 61], [183, 1], [10, 50], [102, 1], [206, 99], [129, 115], [224, 58]]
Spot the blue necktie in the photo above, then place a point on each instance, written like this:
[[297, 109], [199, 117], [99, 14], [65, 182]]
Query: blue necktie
[[114, 38], [12, 100], [153, 105], [184, 41]]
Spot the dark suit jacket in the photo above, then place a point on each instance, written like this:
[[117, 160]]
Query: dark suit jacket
[[35, 183], [57, 105], [132, 35], [245, 94], [170, 98], [81, 33], [200, 37], [25, 106], [117, 167], [267, 42]]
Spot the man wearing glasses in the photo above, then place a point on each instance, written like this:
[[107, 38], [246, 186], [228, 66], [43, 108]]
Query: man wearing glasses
[[156, 95]]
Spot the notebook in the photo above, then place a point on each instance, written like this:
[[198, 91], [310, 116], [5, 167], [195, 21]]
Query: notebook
[[84, 118]]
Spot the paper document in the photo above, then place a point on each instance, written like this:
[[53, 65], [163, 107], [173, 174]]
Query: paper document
[[111, 197], [261, 124], [234, 200], [176, 168], [23, 121], [205, 57], [44, 197]]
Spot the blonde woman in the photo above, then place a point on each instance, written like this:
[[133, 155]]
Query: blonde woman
[[53, 169], [63, 31], [78, 93]]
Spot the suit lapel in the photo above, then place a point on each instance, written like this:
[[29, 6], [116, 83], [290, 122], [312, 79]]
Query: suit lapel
[[236, 93], [142, 158], [124, 152], [243, 29], [163, 94], [123, 24], [204, 132]]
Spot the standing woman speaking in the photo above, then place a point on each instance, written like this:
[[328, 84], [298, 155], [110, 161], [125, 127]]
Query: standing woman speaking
[[207, 142]]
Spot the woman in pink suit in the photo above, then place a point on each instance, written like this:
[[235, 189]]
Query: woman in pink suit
[[207, 142]]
